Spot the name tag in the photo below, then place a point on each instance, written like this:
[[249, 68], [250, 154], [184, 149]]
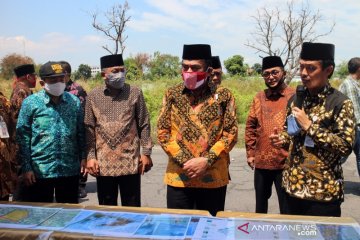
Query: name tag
[[3, 129], [309, 142]]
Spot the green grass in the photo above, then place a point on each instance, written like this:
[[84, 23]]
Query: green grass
[[243, 89]]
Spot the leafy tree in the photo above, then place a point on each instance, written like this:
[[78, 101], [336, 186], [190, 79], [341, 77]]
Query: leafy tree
[[164, 65], [10, 61], [114, 29], [282, 33], [235, 65], [84, 71], [342, 70], [257, 68], [133, 72]]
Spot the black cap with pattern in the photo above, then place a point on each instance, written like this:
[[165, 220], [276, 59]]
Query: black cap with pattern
[[111, 61], [51, 69], [22, 70], [317, 51], [196, 51]]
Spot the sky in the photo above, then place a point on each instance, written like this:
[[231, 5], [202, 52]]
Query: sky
[[61, 30]]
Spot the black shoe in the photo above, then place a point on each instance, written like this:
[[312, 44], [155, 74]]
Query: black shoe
[[82, 193]]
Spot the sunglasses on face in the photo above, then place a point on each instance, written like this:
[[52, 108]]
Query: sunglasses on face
[[273, 73], [194, 68]]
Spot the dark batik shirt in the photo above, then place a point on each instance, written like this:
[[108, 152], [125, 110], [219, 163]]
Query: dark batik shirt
[[77, 90], [116, 126], [313, 169]]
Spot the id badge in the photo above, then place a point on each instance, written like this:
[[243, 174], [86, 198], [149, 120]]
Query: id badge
[[3, 129], [309, 142]]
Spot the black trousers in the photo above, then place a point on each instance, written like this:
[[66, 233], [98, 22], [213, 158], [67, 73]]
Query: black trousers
[[263, 181], [297, 206], [210, 199], [65, 188], [129, 186]]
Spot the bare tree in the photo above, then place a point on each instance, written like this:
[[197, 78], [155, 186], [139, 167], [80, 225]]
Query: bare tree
[[115, 27], [282, 33]]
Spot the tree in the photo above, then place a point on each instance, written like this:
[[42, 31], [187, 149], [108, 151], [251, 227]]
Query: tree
[[84, 71], [164, 65], [257, 68], [133, 72], [235, 65], [342, 70], [10, 61], [282, 33], [114, 29]]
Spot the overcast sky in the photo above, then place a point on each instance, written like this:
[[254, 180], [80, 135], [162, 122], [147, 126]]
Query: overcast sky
[[61, 30]]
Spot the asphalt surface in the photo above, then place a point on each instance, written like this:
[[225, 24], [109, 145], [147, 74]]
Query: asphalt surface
[[240, 192]]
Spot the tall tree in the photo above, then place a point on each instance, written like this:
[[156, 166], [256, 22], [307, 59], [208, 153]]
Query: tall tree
[[10, 61], [164, 65], [235, 65], [84, 71], [114, 29], [282, 33]]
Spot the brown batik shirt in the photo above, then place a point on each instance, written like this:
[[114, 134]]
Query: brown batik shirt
[[267, 111], [313, 169], [115, 127]]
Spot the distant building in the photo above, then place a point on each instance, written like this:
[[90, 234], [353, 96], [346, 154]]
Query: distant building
[[95, 70]]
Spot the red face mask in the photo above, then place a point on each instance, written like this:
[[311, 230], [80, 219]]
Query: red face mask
[[193, 80]]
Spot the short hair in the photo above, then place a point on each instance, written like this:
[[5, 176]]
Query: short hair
[[66, 66], [326, 63], [354, 65]]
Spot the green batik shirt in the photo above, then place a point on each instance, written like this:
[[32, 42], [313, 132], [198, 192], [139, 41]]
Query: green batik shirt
[[313, 169], [51, 136]]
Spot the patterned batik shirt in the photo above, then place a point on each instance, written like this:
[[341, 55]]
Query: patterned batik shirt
[[51, 136], [190, 127], [77, 90], [351, 88], [313, 169], [8, 171], [267, 111], [116, 126], [20, 92]]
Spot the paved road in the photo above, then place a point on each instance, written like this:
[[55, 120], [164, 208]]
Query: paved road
[[240, 193]]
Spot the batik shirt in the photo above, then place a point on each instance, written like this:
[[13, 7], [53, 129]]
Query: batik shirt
[[351, 88], [51, 136], [77, 90], [116, 126], [190, 127], [7, 151], [313, 169], [20, 92], [267, 111]]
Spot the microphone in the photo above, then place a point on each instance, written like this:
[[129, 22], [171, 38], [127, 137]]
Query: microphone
[[300, 96]]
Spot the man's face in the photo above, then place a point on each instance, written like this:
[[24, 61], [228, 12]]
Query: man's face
[[193, 66], [106, 71], [272, 76], [312, 75], [52, 80], [216, 75]]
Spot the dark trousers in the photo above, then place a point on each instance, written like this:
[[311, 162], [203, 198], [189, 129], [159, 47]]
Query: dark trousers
[[263, 181], [210, 199], [129, 186], [297, 206], [65, 188]]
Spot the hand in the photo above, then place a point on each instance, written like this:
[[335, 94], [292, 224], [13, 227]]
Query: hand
[[83, 169], [301, 117], [275, 139], [93, 167], [196, 167], [251, 162], [29, 178], [145, 164]]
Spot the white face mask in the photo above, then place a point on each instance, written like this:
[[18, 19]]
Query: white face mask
[[116, 80], [55, 89]]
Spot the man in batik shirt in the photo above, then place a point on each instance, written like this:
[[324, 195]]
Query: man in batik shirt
[[216, 74], [8, 170], [267, 111], [50, 135], [197, 128], [320, 131], [117, 123], [74, 88]]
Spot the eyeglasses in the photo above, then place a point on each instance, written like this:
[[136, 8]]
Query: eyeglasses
[[195, 68], [273, 73]]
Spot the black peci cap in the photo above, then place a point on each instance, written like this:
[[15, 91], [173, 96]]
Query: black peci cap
[[22, 70], [196, 51], [317, 51], [111, 61], [215, 62], [271, 61]]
